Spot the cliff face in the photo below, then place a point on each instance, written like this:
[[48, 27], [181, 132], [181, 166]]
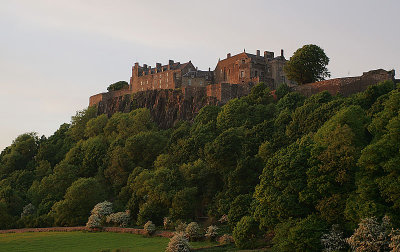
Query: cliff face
[[166, 106]]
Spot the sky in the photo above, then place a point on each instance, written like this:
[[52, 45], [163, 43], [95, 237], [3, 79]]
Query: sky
[[55, 54]]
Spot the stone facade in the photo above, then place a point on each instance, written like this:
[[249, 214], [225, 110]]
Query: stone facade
[[244, 68], [161, 77]]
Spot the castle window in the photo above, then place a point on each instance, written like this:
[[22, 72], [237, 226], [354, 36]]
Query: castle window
[[190, 82], [167, 74], [141, 83], [243, 61], [255, 73], [241, 74]]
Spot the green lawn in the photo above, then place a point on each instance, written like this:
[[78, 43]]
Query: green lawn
[[83, 241]]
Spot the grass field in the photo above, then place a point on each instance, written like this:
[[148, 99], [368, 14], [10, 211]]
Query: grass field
[[83, 241]]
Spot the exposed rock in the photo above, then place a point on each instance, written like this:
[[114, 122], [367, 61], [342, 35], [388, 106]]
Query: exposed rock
[[166, 106]]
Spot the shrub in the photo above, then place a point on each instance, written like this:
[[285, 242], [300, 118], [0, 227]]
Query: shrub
[[193, 231], [212, 232], [245, 233], [395, 241], [333, 241], [180, 226], [28, 210], [149, 227], [102, 209], [223, 219], [167, 223], [225, 239], [120, 218], [371, 235], [94, 221], [178, 243]]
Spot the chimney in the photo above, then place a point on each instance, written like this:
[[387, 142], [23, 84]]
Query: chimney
[[281, 52], [268, 55], [228, 55], [144, 66], [197, 69], [170, 62], [258, 53], [209, 69], [158, 65]]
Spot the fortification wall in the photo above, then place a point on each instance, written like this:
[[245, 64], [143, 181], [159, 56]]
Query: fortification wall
[[346, 86], [95, 99]]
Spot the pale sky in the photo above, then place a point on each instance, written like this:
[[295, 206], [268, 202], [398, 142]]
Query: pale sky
[[54, 54]]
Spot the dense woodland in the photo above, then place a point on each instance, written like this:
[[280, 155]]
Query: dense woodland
[[283, 169]]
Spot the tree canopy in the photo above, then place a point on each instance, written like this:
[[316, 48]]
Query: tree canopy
[[118, 86], [308, 64]]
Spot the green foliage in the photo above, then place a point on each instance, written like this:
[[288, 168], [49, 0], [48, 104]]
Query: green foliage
[[296, 165], [308, 64], [299, 234], [118, 86], [79, 199], [245, 233]]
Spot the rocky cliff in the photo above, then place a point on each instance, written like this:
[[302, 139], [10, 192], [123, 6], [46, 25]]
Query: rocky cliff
[[166, 106]]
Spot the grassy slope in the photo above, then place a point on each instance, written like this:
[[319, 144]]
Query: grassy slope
[[82, 241]]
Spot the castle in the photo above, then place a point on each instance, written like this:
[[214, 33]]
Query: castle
[[233, 77], [242, 68]]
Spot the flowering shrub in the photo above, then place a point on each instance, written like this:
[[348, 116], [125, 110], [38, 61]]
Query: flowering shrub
[[333, 241], [370, 235], [178, 243], [102, 209], [94, 221], [223, 219], [212, 232], [193, 231], [395, 240], [167, 223], [181, 227], [28, 210], [226, 239], [149, 227], [120, 218]]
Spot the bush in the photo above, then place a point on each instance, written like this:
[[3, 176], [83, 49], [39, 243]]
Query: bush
[[149, 227], [102, 209], [94, 221], [167, 223], [28, 210], [245, 233], [178, 243], [193, 231], [226, 239], [180, 226], [395, 240], [333, 241], [371, 235], [121, 218], [212, 232]]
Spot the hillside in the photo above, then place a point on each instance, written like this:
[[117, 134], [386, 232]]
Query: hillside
[[294, 166]]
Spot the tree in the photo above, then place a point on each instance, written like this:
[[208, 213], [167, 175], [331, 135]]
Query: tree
[[308, 64], [118, 86]]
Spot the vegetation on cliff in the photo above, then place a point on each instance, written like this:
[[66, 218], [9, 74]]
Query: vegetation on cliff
[[289, 168]]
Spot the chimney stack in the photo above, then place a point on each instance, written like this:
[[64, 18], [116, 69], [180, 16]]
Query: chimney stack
[[268, 55], [228, 55], [281, 52], [144, 66], [258, 53], [170, 62]]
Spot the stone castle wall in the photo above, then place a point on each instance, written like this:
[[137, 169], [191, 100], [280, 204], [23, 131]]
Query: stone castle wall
[[346, 86]]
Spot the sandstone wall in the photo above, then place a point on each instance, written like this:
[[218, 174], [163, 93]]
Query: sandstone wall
[[346, 86]]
